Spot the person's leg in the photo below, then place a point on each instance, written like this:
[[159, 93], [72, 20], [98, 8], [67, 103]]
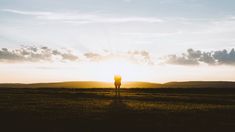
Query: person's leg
[[116, 87], [119, 90]]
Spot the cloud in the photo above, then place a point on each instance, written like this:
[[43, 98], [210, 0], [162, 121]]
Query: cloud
[[93, 56], [196, 57], [35, 54], [182, 60], [46, 54], [225, 57], [34, 13], [5, 54], [140, 57], [83, 18], [65, 56]]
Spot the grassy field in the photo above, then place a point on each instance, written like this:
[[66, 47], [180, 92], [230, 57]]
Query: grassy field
[[84, 110]]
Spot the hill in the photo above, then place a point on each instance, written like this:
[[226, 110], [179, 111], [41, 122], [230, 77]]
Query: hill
[[200, 84], [93, 84], [81, 84]]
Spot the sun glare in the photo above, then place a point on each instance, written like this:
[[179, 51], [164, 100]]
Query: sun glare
[[109, 68]]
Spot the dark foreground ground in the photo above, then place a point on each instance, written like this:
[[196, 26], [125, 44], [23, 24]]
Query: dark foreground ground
[[84, 110]]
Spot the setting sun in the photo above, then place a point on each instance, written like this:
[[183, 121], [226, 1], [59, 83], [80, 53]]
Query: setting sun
[[129, 71]]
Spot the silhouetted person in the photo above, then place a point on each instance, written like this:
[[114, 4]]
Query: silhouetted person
[[117, 83]]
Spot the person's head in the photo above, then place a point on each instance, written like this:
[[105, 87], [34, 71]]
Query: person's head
[[117, 78]]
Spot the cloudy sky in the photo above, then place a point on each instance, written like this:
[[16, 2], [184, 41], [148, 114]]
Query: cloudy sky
[[143, 40]]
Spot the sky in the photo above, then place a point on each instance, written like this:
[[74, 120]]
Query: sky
[[92, 40]]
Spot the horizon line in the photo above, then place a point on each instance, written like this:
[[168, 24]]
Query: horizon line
[[150, 82]]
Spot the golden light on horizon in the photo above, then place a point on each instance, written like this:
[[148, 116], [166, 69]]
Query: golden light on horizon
[[106, 69], [128, 70]]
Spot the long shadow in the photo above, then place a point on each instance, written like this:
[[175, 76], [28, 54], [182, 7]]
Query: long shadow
[[117, 104], [117, 114]]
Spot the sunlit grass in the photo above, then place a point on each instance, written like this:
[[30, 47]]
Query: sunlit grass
[[175, 107]]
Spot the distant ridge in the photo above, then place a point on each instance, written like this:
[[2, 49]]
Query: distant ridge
[[201, 84], [81, 84], [94, 84]]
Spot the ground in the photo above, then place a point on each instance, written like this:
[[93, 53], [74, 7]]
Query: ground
[[84, 110]]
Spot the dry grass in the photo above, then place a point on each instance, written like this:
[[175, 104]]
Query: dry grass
[[102, 110]]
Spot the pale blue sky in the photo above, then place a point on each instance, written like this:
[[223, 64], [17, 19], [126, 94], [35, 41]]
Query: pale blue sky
[[156, 33], [179, 8]]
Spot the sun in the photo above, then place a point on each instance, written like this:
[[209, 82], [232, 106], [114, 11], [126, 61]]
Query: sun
[[106, 70]]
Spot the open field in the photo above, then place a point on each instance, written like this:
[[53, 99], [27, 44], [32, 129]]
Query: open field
[[163, 109]]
